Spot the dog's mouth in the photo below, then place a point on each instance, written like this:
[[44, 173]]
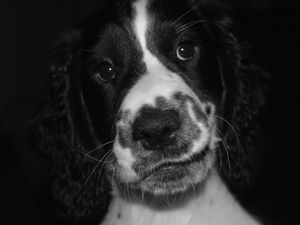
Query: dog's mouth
[[174, 176], [171, 177], [172, 170]]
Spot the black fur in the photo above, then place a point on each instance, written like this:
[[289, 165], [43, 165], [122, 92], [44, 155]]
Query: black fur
[[71, 125]]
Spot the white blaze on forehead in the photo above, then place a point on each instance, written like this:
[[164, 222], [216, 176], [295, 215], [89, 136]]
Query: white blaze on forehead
[[140, 21], [157, 80]]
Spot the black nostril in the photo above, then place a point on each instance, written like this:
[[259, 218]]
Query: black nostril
[[155, 127]]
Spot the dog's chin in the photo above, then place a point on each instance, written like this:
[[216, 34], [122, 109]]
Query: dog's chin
[[167, 180], [175, 179]]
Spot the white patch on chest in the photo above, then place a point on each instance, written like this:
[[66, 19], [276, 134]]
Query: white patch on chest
[[213, 205]]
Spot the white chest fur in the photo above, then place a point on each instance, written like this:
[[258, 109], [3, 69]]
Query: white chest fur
[[214, 205]]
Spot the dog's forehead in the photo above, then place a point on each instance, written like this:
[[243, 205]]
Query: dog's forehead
[[150, 14], [167, 9], [157, 80], [131, 27]]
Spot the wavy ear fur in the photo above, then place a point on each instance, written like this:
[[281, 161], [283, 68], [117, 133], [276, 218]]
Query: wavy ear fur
[[243, 97], [79, 195]]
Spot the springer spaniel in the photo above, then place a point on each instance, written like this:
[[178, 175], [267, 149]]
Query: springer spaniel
[[151, 116]]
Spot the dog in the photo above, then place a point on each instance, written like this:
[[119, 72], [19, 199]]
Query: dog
[[152, 116]]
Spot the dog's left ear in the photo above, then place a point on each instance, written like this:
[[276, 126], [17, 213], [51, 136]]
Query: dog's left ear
[[243, 97], [65, 135]]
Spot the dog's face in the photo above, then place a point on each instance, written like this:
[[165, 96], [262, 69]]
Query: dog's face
[[155, 65]]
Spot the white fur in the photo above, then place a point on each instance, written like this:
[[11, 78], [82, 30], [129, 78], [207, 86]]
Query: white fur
[[214, 205], [125, 161]]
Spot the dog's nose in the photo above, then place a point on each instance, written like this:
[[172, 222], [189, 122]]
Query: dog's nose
[[155, 128]]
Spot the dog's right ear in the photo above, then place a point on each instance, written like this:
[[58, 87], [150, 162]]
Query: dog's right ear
[[54, 114], [63, 133]]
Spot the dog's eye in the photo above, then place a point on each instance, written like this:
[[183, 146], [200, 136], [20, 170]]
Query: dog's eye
[[185, 52], [105, 72]]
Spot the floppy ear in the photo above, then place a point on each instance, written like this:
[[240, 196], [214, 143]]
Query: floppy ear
[[243, 97], [66, 135]]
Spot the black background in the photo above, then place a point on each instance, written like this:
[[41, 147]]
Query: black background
[[28, 29]]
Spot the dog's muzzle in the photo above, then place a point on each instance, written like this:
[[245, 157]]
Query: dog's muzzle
[[164, 147]]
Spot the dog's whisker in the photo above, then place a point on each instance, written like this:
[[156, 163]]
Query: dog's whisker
[[95, 159], [167, 201], [231, 126], [89, 177], [188, 25], [98, 147], [184, 14], [195, 22], [159, 199], [114, 176], [223, 141], [94, 169], [220, 155], [105, 161], [228, 158], [174, 198], [88, 156], [98, 178]]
